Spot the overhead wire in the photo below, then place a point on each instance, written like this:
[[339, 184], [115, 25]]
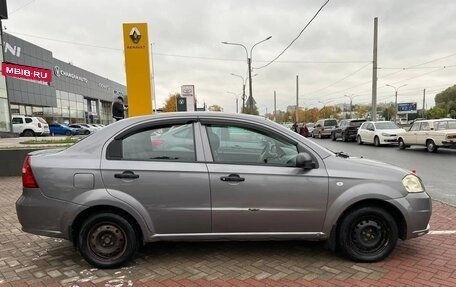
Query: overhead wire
[[294, 40], [180, 56]]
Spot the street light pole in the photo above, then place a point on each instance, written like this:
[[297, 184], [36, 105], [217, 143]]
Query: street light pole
[[243, 90], [237, 104], [249, 60], [351, 103], [395, 96]]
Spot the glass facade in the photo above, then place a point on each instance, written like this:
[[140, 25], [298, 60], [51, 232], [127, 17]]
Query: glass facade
[[5, 119], [71, 108]]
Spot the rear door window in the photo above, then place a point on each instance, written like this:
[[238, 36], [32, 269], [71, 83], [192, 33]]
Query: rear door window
[[176, 144], [17, 121], [28, 120]]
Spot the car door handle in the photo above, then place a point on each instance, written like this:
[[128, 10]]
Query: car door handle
[[232, 178], [126, 175]]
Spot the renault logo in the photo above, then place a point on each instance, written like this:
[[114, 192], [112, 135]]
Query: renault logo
[[135, 36], [57, 71]]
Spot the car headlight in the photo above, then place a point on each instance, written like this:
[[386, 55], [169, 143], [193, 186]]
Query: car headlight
[[385, 134], [412, 183]]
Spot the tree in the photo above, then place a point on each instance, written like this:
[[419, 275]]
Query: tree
[[171, 103], [361, 111], [252, 111], [388, 112], [436, 113], [446, 100], [215, 108]]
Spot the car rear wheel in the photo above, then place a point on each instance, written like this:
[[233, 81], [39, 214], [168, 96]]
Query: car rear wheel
[[107, 240], [376, 141], [430, 146], [28, 133], [87, 132], [401, 143], [368, 234], [359, 140]]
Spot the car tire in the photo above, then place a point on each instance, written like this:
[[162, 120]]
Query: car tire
[[430, 146], [333, 136], [87, 132], [107, 240], [401, 143], [344, 138], [359, 140], [28, 133], [68, 133], [376, 141], [367, 234]]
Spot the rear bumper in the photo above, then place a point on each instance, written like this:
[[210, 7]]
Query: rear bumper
[[46, 216], [449, 144]]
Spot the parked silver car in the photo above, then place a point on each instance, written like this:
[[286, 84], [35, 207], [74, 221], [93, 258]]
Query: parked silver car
[[230, 177]]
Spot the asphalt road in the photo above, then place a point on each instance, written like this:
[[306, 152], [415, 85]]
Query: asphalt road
[[438, 170]]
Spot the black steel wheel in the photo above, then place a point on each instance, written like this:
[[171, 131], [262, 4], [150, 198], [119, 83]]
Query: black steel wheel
[[107, 240], [368, 234]]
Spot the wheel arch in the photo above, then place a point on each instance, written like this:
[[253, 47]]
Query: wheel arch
[[388, 207], [86, 213]]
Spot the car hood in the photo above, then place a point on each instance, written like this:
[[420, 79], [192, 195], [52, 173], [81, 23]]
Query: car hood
[[391, 131], [362, 168]]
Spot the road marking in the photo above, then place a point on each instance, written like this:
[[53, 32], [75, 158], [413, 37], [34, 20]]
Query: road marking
[[442, 232]]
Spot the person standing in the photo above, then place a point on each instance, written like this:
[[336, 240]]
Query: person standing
[[118, 109]]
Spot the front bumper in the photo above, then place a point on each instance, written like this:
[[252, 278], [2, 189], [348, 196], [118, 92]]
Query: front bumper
[[388, 140], [449, 143], [416, 209], [41, 215]]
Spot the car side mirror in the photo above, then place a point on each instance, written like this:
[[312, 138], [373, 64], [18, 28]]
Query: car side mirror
[[305, 161]]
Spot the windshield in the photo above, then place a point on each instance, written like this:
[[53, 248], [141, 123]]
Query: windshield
[[386, 126]]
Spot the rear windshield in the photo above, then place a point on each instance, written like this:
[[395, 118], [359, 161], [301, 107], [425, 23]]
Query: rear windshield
[[356, 123], [386, 126], [330, 123], [41, 120]]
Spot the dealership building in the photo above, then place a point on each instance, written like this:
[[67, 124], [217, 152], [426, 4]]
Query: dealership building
[[59, 92]]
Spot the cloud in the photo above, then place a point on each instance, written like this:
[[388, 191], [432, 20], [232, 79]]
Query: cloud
[[410, 32]]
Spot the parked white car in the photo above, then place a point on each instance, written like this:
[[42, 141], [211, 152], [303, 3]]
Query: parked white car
[[378, 133], [28, 126], [432, 134]]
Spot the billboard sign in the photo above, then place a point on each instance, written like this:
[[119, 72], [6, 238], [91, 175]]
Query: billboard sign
[[406, 108], [26, 72], [137, 68], [187, 90]]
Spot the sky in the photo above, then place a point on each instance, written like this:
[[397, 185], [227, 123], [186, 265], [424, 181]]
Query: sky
[[332, 57]]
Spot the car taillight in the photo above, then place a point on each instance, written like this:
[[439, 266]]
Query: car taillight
[[156, 143], [39, 125], [28, 179]]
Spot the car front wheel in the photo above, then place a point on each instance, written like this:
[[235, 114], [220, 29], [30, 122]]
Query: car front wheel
[[376, 141], [359, 140], [368, 234], [107, 240]]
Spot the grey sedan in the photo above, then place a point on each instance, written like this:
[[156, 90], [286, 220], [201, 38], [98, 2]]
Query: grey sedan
[[220, 176]]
